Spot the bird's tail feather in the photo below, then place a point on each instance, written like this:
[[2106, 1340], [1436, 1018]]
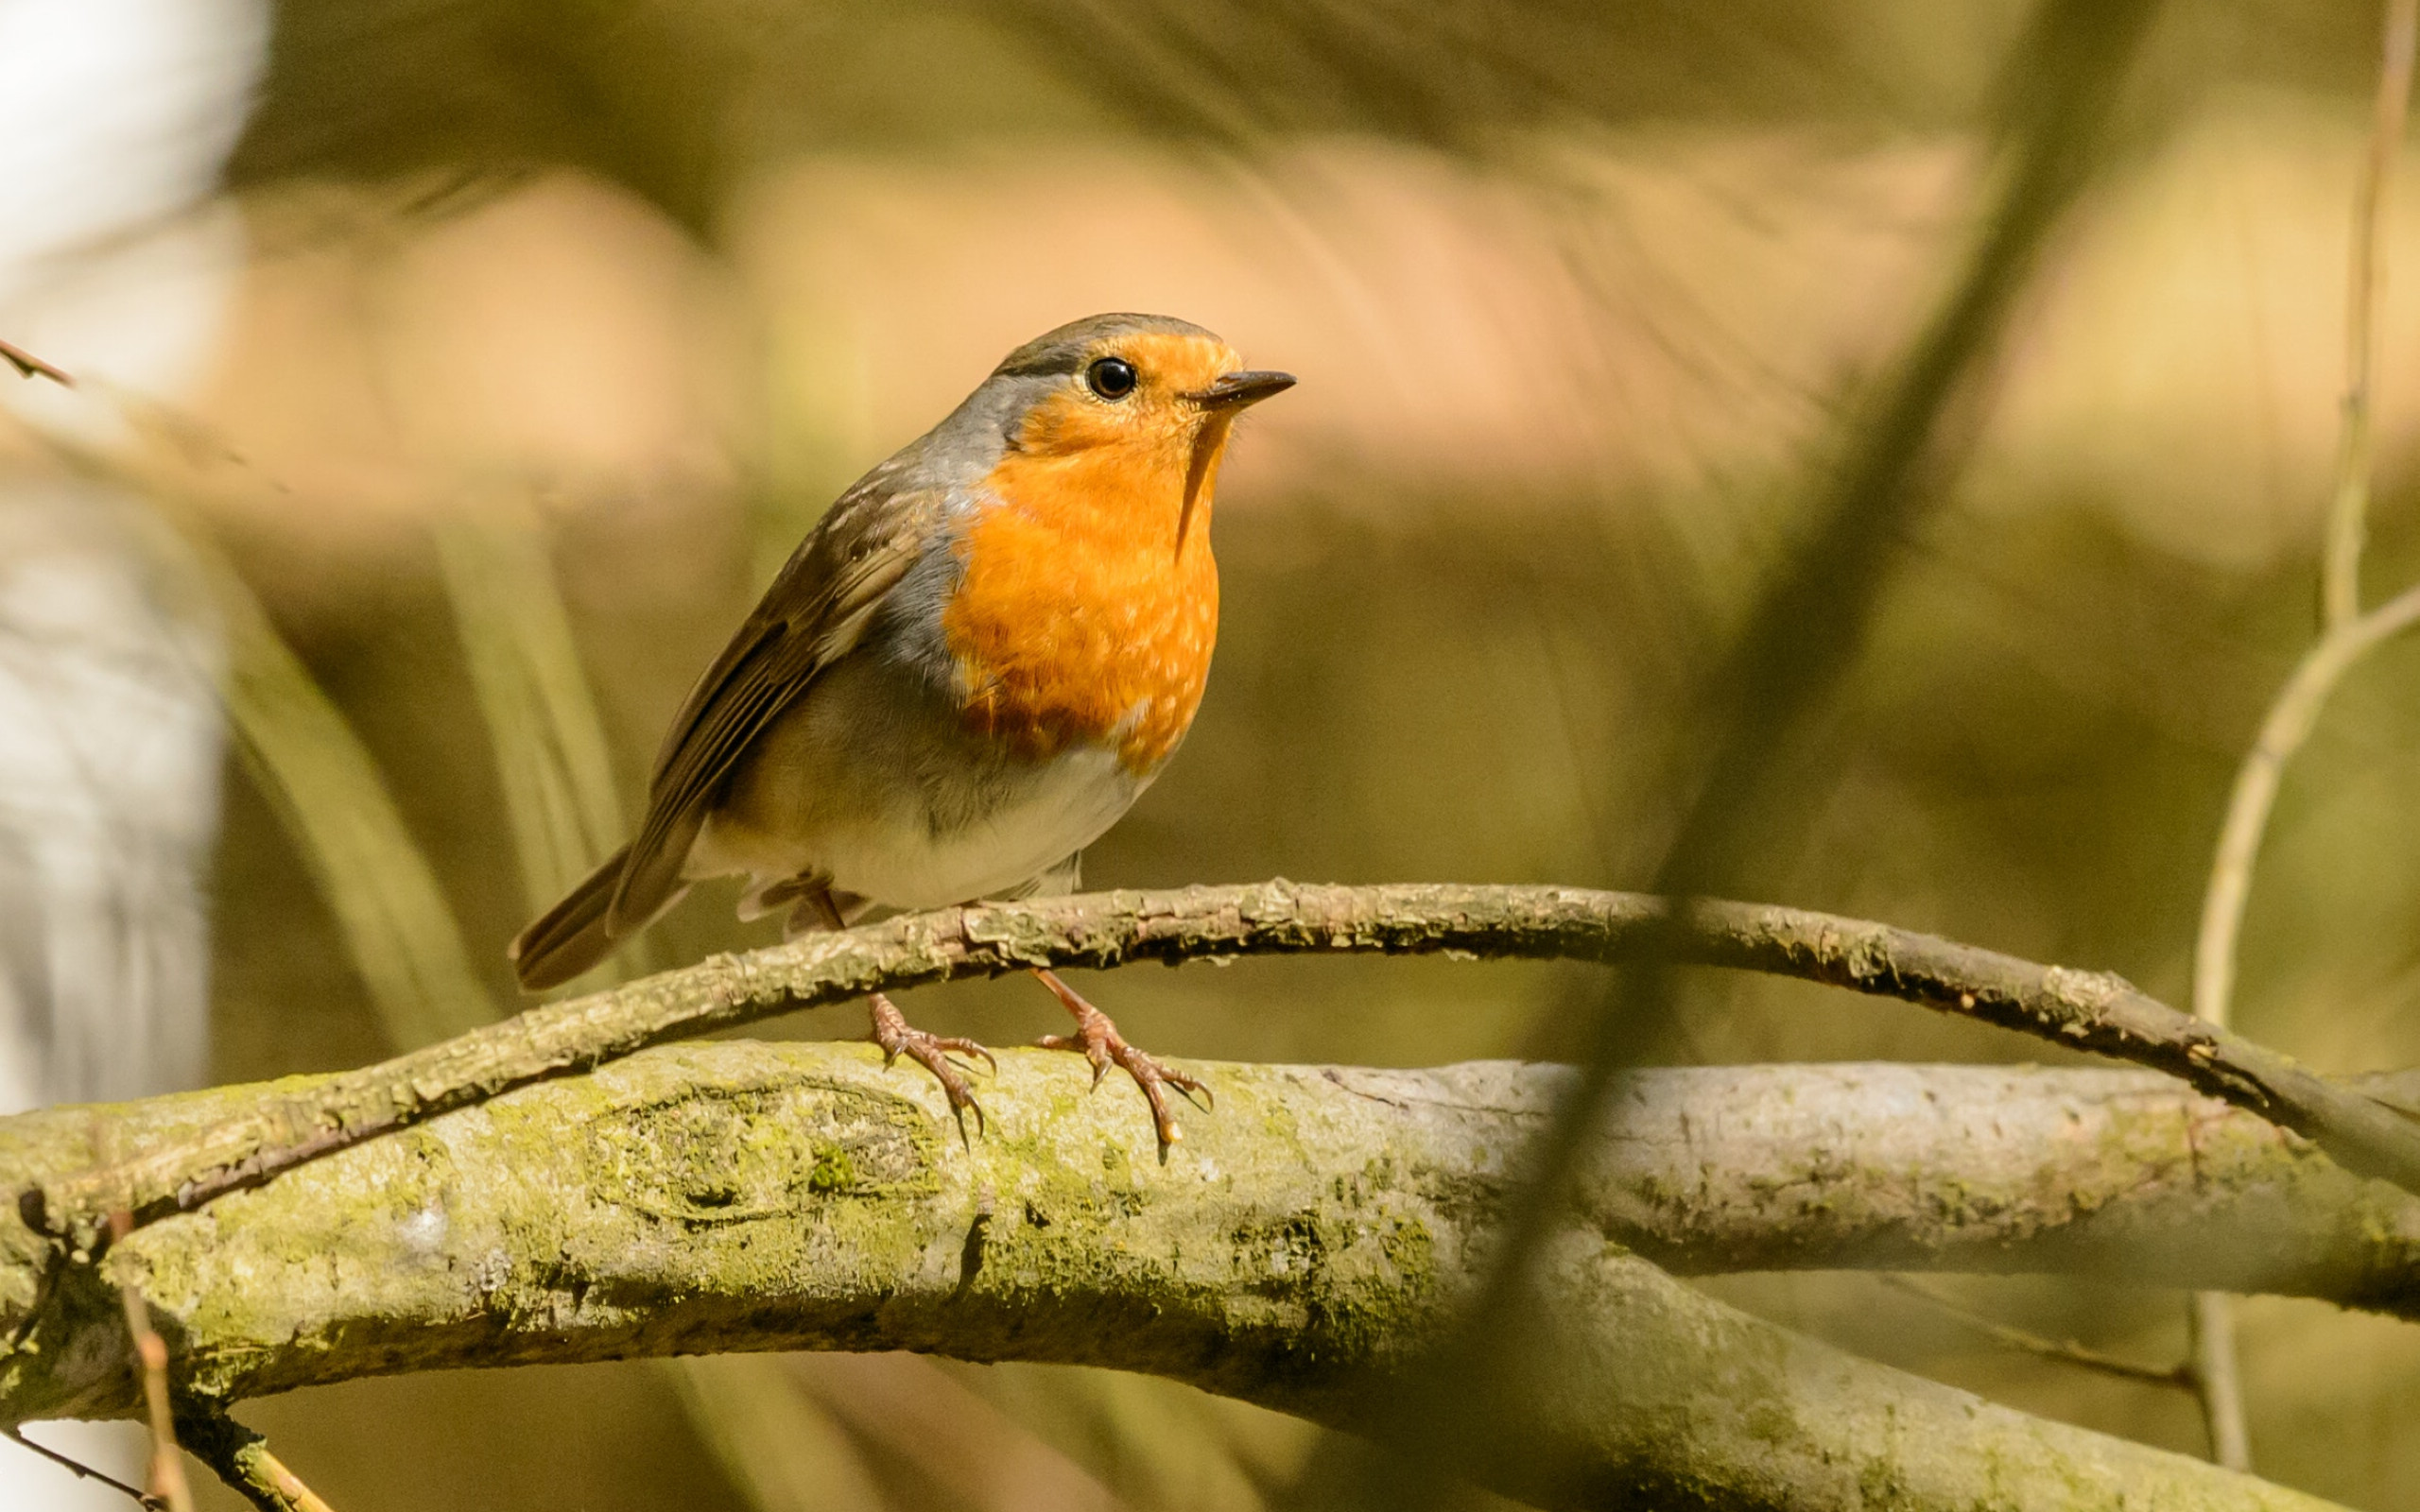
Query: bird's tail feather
[[572, 935]]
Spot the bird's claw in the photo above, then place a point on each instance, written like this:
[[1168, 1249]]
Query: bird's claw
[[896, 1037], [1097, 1040]]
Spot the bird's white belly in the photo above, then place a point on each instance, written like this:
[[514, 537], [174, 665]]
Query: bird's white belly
[[901, 860], [871, 786]]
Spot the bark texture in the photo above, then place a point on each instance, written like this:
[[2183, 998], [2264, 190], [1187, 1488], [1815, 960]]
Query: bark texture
[[2118, 1174], [1298, 1250], [2086, 1010]]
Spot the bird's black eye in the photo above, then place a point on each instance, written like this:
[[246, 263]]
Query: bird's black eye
[[1111, 377]]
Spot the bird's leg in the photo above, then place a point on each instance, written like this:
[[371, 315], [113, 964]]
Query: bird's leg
[[1100, 1043], [897, 1037]]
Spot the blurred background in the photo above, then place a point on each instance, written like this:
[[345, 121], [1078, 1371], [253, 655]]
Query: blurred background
[[455, 372]]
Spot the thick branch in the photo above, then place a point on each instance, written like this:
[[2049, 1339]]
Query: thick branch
[[2081, 1009], [2116, 1174], [1302, 1246]]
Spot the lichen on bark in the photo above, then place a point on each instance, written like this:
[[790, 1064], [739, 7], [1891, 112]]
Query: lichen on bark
[[1300, 1249]]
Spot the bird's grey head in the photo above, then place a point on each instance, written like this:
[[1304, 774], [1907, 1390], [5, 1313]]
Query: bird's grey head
[[1093, 380], [1066, 352]]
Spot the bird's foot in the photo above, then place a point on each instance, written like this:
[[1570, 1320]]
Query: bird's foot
[[897, 1037], [1097, 1040]]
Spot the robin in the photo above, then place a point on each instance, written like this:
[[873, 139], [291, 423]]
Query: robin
[[966, 673]]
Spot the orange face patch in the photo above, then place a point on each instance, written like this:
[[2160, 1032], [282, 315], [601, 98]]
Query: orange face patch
[[1090, 605]]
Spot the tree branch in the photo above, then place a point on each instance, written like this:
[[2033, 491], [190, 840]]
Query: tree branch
[[1303, 1246], [2348, 511], [2120, 1175], [2083, 1010], [2288, 723]]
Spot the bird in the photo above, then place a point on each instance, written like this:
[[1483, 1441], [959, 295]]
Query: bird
[[970, 669]]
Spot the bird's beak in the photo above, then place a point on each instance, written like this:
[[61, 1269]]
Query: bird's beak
[[1237, 389]]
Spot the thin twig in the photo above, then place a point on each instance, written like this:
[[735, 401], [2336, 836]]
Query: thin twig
[[83, 1471], [29, 366], [241, 1459], [2347, 636], [165, 1477], [2347, 519], [2282, 733], [2079, 1010], [2218, 1379], [2065, 1351]]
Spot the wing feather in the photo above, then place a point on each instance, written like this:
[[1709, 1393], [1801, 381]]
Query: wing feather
[[815, 612]]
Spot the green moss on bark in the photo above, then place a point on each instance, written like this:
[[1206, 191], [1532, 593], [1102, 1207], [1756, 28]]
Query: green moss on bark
[[1304, 1244]]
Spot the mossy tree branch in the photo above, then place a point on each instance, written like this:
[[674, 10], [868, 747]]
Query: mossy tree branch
[[2081, 1010], [1302, 1248], [2120, 1175]]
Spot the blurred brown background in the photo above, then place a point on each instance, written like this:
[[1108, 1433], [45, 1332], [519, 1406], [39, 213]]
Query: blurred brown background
[[1578, 294]]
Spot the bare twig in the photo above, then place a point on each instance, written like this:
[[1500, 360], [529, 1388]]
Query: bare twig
[[83, 1471], [29, 366], [165, 1477], [2082, 1010], [2347, 518], [2218, 1380], [2063, 1351], [2347, 636], [2282, 733], [242, 1460]]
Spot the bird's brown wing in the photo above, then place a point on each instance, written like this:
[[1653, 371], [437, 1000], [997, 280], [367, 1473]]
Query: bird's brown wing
[[814, 613]]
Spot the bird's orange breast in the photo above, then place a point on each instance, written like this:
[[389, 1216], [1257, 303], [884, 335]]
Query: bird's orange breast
[[1090, 602]]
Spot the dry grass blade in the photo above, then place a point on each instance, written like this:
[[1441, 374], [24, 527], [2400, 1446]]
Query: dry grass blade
[[775, 1445], [549, 743], [329, 795], [1154, 1443], [917, 1413], [308, 763]]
